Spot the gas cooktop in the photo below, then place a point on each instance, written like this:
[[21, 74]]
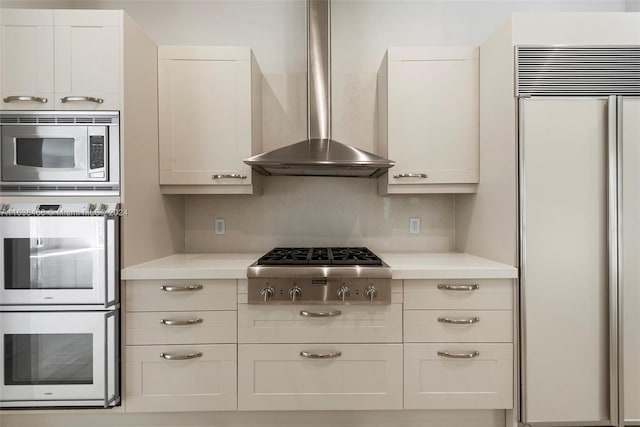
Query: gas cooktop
[[348, 275]]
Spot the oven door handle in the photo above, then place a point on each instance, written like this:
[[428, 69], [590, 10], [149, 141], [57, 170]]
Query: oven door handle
[[333, 313], [174, 356]]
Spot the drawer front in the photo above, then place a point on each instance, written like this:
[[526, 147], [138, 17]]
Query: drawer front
[[432, 381], [181, 327], [289, 324], [277, 377], [451, 326], [491, 294], [169, 295], [206, 383]]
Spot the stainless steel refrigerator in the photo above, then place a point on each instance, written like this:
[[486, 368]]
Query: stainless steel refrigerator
[[579, 211]]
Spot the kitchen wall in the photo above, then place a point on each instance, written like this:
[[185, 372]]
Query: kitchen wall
[[313, 211]]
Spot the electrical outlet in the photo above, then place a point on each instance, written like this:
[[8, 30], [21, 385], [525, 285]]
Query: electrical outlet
[[220, 226], [414, 225]]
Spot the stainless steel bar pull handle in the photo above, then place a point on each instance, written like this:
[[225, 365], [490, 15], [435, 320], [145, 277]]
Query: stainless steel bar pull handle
[[229, 175], [333, 313], [446, 287], [172, 322], [310, 355], [26, 98], [459, 321], [81, 98], [411, 175], [461, 355], [173, 356], [187, 288]]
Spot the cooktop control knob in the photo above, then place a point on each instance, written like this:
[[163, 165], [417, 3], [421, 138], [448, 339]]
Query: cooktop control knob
[[370, 292], [267, 293], [295, 293], [344, 292]]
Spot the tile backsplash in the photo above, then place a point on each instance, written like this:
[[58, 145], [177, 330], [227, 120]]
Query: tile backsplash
[[313, 211]]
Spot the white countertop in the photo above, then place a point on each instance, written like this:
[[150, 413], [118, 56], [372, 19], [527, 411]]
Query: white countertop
[[410, 265]]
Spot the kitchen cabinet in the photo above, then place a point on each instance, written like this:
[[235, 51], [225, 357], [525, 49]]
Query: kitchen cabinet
[[180, 345], [210, 119], [428, 120], [458, 351], [61, 59], [363, 369]]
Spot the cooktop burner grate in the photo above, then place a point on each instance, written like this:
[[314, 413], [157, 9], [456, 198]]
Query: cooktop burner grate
[[320, 256]]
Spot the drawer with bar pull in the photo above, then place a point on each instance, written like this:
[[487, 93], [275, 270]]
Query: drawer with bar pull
[[481, 294], [181, 295], [458, 326]]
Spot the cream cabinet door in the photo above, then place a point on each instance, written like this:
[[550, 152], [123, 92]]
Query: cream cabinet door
[[352, 376], [188, 378], [205, 107], [88, 59], [437, 377], [26, 59], [431, 117]]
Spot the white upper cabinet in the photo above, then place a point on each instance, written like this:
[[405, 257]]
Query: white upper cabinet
[[428, 120], [61, 59], [209, 107], [26, 59], [87, 59]]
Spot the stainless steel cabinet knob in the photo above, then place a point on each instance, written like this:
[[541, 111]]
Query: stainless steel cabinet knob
[[266, 293], [295, 293], [344, 292], [370, 292]]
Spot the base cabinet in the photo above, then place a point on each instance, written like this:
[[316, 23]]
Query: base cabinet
[[279, 377], [181, 378], [436, 377]]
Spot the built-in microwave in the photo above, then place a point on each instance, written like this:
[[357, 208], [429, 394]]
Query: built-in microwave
[[60, 153]]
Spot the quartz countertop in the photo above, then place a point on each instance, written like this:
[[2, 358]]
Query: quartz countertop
[[404, 265]]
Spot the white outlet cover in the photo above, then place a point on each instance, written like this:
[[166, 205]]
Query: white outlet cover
[[220, 227], [414, 225]]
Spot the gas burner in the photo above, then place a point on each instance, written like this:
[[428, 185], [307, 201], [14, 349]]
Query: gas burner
[[320, 256]]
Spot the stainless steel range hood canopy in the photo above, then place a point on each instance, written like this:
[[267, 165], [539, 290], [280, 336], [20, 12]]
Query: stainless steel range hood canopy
[[319, 155]]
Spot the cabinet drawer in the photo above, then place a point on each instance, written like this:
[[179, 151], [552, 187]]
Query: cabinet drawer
[[432, 381], [169, 295], [181, 327], [448, 326], [205, 383], [288, 324], [485, 294], [277, 377]]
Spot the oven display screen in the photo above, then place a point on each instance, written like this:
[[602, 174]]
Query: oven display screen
[[48, 359]]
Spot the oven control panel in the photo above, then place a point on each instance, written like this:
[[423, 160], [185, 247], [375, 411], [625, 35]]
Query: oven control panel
[[319, 290]]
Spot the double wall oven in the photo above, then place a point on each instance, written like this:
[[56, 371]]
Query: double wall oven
[[59, 305]]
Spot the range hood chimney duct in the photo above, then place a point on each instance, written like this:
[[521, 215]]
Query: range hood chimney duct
[[319, 155]]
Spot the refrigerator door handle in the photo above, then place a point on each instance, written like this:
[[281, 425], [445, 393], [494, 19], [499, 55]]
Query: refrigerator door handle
[[615, 396]]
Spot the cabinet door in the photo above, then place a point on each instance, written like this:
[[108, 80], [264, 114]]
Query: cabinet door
[[629, 134], [278, 377], [26, 60], [88, 59], [437, 376], [433, 118], [198, 378], [205, 118]]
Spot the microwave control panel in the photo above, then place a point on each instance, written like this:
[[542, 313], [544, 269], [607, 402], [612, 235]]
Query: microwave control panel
[[96, 151]]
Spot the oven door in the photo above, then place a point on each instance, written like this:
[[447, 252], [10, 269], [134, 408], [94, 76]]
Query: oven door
[[44, 153], [57, 260], [59, 359]]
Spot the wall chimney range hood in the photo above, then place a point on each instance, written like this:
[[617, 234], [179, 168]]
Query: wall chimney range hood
[[319, 155]]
